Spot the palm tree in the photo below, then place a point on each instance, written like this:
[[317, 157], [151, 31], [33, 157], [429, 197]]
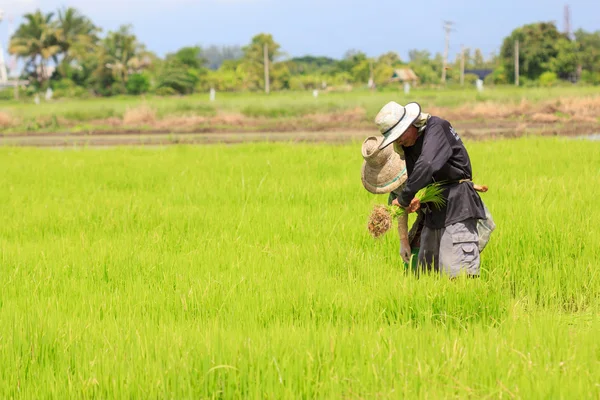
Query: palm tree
[[124, 54], [77, 37], [118, 55], [35, 41]]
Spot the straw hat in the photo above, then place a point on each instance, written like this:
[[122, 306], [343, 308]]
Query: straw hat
[[393, 120], [383, 170]]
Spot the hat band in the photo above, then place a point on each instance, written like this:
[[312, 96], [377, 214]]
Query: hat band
[[393, 180], [387, 133]]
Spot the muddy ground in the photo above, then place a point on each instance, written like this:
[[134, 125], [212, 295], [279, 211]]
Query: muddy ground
[[471, 130]]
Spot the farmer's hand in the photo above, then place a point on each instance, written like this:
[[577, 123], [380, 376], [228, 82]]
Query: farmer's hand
[[395, 203], [405, 250], [480, 188], [414, 206]]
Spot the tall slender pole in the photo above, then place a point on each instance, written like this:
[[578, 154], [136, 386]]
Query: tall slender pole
[[3, 74], [266, 53], [371, 80], [462, 65], [517, 63], [447, 28]]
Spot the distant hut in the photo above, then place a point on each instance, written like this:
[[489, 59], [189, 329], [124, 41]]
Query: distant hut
[[404, 75], [481, 73]]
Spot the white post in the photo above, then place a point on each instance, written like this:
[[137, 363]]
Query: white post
[[479, 84]]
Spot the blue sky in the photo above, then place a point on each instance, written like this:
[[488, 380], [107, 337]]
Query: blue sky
[[320, 27]]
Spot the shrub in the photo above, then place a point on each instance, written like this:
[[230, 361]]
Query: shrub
[[165, 91], [548, 79], [138, 84]]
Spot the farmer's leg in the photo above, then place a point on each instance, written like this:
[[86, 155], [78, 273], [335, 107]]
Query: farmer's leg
[[430, 249], [459, 250]]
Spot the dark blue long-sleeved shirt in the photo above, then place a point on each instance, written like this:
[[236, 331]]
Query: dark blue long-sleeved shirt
[[439, 155]]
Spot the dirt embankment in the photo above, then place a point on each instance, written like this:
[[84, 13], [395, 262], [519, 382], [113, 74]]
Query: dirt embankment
[[571, 116]]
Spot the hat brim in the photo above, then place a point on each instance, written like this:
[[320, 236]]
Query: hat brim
[[413, 110], [367, 174]]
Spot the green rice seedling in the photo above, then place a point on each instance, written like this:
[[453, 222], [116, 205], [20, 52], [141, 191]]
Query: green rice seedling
[[380, 220]]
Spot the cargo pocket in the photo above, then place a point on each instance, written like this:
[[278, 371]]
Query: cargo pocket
[[468, 251], [465, 247]]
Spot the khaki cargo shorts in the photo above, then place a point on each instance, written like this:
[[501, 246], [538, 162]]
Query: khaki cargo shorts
[[453, 250]]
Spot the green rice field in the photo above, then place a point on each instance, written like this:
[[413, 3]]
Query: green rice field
[[246, 271]]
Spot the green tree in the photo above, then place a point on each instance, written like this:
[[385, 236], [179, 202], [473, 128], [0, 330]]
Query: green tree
[[478, 60], [589, 50], [215, 56], [539, 46], [361, 71], [351, 61], [390, 58], [77, 37], [120, 55], [419, 57], [35, 41], [565, 63], [253, 59], [428, 69], [191, 57], [178, 77], [383, 73], [310, 65]]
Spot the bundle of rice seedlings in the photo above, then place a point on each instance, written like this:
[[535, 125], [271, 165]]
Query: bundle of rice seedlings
[[380, 220]]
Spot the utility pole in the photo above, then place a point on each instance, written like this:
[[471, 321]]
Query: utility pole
[[3, 74], [266, 53], [447, 28], [517, 63], [567, 22], [371, 80], [462, 65]]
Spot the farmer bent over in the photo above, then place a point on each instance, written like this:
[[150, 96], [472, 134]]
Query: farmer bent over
[[434, 152]]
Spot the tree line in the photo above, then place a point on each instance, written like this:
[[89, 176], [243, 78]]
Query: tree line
[[66, 51]]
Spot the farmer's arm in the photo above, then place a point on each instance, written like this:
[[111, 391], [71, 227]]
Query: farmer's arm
[[435, 153], [403, 233]]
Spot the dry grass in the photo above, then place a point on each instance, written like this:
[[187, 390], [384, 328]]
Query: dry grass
[[356, 114], [182, 122], [6, 120], [142, 115], [581, 109], [492, 110], [586, 109], [542, 117], [236, 119]]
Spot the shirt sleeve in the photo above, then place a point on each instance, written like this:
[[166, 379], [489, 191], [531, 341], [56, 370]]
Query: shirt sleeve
[[435, 153]]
